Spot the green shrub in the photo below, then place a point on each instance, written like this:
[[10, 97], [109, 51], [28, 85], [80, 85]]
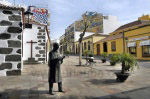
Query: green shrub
[[128, 61], [114, 59], [104, 55]]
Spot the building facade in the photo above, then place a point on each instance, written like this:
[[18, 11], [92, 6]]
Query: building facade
[[87, 43], [133, 38], [35, 36], [98, 23], [20, 40]]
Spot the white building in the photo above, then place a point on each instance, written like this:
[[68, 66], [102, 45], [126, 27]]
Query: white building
[[35, 39], [99, 23], [110, 24], [38, 36]]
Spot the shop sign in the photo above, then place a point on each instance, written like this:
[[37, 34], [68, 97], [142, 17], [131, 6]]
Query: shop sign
[[132, 44], [146, 42], [141, 38]]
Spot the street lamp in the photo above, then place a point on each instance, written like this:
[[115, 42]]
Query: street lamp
[[29, 16]]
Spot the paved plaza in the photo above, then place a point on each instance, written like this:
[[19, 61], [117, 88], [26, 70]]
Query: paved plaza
[[79, 82]]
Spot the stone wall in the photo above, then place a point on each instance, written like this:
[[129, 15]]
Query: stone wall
[[41, 36], [10, 42]]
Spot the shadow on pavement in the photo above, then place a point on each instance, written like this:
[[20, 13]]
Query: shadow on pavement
[[103, 81], [140, 93]]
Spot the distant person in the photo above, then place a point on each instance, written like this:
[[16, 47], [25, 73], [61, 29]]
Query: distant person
[[54, 62]]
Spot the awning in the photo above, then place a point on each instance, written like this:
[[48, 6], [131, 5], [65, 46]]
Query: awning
[[146, 42], [132, 44]]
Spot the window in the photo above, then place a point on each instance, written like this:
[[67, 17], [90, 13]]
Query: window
[[88, 45], [105, 46], [106, 17], [132, 50], [84, 45], [146, 51], [28, 25], [113, 46]]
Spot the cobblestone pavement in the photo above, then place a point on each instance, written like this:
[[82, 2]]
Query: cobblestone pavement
[[79, 82]]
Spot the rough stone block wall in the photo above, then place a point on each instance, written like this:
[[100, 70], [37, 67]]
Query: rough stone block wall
[[10, 42], [41, 56]]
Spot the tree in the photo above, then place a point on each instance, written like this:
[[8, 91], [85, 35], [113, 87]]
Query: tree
[[80, 42]]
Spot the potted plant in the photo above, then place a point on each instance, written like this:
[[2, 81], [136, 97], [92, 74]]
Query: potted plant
[[128, 62], [104, 57], [114, 59]]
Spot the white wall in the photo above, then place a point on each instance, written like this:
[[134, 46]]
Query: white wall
[[110, 24], [28, 35]]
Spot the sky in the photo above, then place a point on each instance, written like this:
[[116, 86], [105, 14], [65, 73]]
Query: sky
[[65, 12]]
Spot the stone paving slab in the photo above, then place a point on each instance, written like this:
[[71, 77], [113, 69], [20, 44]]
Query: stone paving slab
[[79, 82]]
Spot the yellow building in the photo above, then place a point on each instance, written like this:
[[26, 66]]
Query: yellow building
[[133, 38], [87, 42]]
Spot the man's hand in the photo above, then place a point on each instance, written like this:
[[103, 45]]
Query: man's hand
[[61, 57]]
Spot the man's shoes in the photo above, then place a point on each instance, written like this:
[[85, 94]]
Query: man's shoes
[[61, 91], [51, 93]]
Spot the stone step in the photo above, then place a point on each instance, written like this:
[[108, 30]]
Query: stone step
[[26, 62], [31, 59]]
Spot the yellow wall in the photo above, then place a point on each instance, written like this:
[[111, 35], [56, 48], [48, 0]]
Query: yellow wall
[[119, 46], [95, 48], [129, 33], [138, 33], [145, 17], [92, 39], [97, 38], [86, 40]]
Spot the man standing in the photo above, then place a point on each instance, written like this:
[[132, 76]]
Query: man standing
[[55, 60]]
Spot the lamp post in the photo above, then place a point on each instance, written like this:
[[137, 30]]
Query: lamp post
[[29, 14]]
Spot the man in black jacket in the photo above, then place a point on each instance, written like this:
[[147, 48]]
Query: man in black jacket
[[55, 60]]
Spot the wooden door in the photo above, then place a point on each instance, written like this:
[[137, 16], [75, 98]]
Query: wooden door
[[98, 49]]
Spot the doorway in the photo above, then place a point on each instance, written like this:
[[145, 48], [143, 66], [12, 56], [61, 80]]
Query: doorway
[[105, 46], [98, 49]]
